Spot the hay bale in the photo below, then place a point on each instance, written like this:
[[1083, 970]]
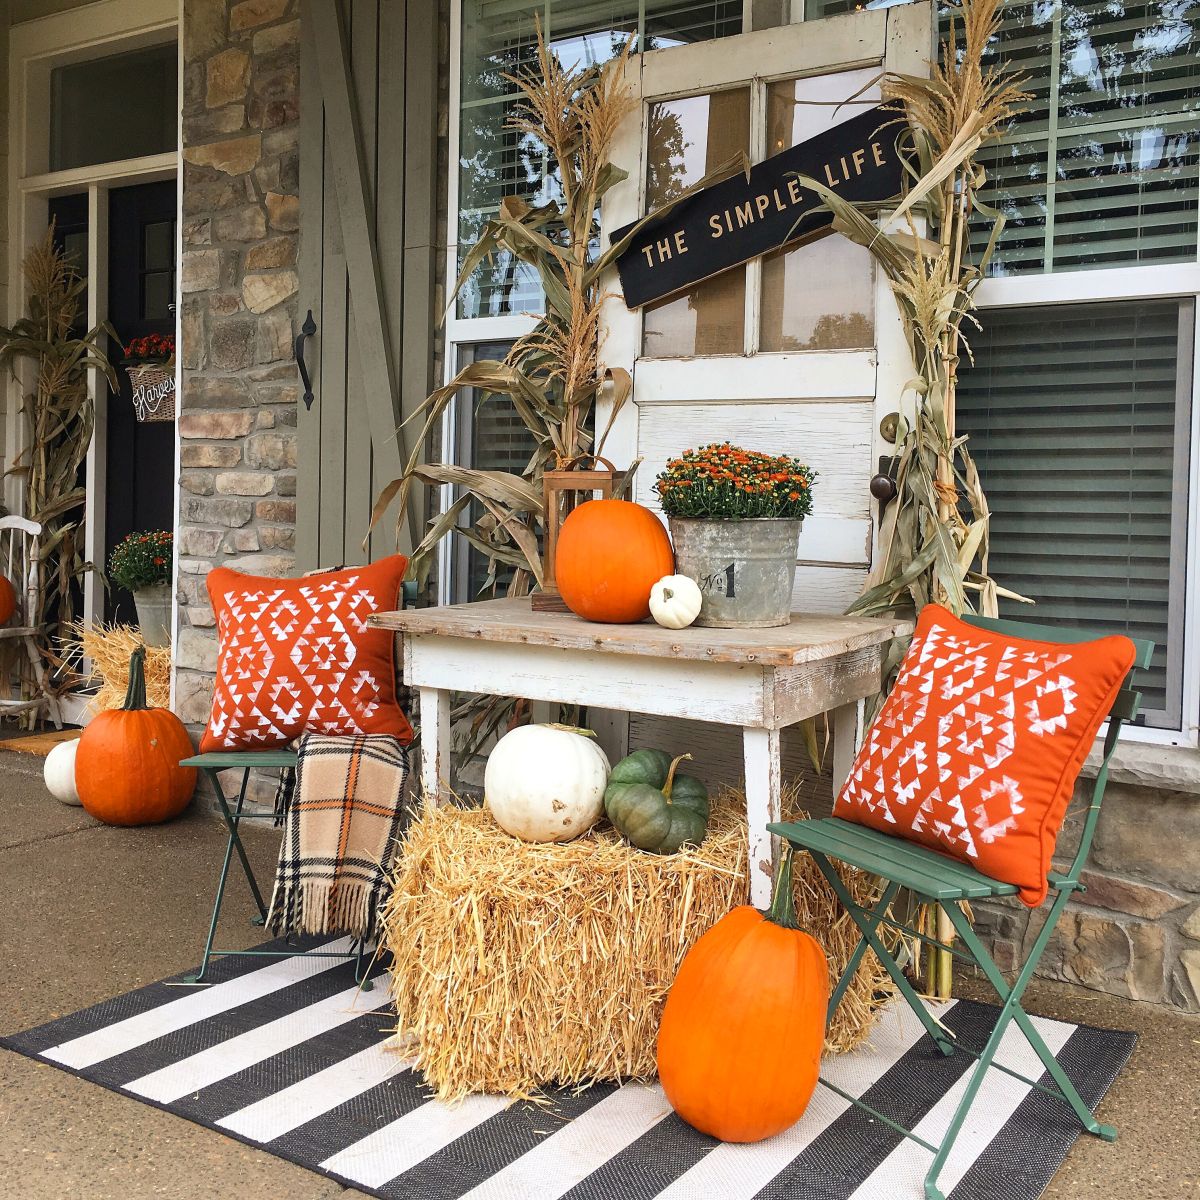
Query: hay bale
[[109, 647], [517, 965]]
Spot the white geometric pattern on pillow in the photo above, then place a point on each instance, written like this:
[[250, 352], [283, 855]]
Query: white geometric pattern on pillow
[[956, 791], [321, 626]]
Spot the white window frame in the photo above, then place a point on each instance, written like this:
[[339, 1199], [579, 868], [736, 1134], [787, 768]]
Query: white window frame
[[1167, 281], [35, 48], [1136, 282]]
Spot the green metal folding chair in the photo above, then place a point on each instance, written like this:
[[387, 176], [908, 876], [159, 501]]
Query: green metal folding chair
[[947, 883], [247, 761]]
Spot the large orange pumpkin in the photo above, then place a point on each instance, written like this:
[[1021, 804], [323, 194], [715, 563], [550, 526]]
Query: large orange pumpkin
[[610, 553], [127, 768], [8, 600], [739, 1047]]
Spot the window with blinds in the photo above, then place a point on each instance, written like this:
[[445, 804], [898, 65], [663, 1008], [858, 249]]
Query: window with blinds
[[491, 437], [498, 39], [1078, 418], [1103, 169]]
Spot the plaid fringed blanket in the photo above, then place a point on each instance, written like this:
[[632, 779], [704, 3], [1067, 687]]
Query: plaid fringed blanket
[[343, 817]]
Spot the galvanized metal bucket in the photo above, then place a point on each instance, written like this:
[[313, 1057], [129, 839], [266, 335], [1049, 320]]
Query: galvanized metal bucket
[[153, 606], [745, 568]]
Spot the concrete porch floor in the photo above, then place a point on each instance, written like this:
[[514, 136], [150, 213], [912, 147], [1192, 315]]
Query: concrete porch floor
[[92, 911]]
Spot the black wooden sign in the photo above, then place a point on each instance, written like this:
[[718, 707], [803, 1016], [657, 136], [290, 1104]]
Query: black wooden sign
[[739, 218]]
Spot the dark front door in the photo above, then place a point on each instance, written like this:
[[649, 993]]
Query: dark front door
[[140, 475]]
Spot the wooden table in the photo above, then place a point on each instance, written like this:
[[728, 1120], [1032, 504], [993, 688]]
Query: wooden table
[[759, 679]]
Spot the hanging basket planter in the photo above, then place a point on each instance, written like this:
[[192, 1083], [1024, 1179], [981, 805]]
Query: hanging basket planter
[[153, 391]]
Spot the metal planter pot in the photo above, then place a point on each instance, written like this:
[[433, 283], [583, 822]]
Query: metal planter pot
[[154, 614], [745, 568]]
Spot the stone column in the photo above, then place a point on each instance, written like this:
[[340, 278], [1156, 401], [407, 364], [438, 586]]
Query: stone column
[[241, 218]]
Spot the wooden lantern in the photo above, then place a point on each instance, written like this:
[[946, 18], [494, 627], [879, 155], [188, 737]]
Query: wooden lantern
[[562, 490]]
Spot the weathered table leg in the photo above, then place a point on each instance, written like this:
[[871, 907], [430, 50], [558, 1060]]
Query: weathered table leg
[[760, 749], [435, 744], [847, 737]]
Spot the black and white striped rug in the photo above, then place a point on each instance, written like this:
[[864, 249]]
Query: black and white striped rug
[[290, 1056]]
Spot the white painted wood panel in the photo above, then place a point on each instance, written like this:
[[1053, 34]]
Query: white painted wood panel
[[783, 378], [834, 438], [687, 688], [819, 589], [786, 51]]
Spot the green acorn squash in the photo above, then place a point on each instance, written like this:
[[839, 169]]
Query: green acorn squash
[[652, 806]]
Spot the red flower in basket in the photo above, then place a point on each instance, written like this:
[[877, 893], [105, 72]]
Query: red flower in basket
[[152, 348]]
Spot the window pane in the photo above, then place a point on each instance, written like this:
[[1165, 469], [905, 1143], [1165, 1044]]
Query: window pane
[[70, 217], [158, 245], [1079, 434], [158, 290], [491, 437], [1120, 60], [819, 296], [709, 318], [122, 106], [1125, 197], [1102, 170], [494, 162], [686, 139]]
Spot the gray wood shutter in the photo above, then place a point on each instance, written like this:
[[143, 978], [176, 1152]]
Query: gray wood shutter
[[368, 221]]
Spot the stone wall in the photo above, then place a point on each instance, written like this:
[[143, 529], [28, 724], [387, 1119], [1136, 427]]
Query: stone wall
[[237, 423], [1135, 931]]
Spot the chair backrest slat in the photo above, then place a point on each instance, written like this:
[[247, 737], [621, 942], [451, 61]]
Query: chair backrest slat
[[18, 548], [1125, 707], [1057, 633]]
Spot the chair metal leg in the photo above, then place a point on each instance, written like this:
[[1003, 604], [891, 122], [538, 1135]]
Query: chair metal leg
[[867, 922], [231, 822], [362, 965], [1010, 1013], [233, 842], [1013, 995], [852, 963]]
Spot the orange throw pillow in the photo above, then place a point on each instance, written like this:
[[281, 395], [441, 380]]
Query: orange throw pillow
[[976, 750], [297, 656]]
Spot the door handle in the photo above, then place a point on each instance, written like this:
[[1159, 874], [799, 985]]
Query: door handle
[[306, 331], [883, 486]]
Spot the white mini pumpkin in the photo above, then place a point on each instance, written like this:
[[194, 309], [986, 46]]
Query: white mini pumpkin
[[675, 601], [545, 783], [59, 772]]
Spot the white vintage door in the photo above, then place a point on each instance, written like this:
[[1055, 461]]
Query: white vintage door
[[799, 352]]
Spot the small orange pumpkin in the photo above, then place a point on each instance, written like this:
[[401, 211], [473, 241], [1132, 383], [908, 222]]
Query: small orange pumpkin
[[610, 553], [8, 600], [127, 768], [739, 1047]]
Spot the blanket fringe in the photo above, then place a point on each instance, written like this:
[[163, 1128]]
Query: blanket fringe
[[318, 906]]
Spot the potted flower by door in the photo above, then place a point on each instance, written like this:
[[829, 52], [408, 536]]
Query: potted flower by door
[[142, 565], [150, 361], [735, 518]]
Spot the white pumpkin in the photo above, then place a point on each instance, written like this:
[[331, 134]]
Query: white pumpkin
[[545, 783], [675, 601], [59, 772]]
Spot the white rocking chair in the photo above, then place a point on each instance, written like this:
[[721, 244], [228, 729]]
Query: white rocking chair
[[18, 557]]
